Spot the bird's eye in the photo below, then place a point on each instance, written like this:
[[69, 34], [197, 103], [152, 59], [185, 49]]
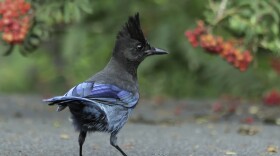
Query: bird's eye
[[139, 47]]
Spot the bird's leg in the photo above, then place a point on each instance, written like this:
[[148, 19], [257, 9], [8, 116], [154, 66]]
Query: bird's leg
[[113, 141], [82, 137]]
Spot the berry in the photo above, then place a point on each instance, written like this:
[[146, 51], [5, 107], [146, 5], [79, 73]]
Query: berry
[[216, 45], [210, 43], [193, 36], [272, 98], [15, 21], [7, 37]]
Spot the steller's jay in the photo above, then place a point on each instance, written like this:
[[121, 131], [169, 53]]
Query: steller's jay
[[104, 102]]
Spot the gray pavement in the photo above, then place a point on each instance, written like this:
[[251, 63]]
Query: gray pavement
[[28, 128]]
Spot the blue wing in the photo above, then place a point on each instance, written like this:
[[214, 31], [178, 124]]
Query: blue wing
[[88, 92]]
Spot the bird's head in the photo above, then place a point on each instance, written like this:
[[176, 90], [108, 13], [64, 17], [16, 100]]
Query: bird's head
[[131, 45]]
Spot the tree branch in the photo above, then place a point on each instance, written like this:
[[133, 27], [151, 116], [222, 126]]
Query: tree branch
[[221, 10]]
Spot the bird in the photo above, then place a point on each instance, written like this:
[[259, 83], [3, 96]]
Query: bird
[[104, 102]]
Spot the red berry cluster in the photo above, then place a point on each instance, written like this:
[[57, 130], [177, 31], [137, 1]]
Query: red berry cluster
[[211, 44], [15, 20], [272, 98], [240, 60], [194, 35], [216, 45]]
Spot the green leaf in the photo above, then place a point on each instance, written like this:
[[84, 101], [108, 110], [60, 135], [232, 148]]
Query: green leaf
[[58, 16], [253, 20], [77, 13], [85, 6], [275, 29]]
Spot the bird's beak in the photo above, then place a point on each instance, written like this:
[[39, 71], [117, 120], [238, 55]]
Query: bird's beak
[[155, 51]]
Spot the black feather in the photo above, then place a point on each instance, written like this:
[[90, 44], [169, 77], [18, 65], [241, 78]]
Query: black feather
[[132, 29]]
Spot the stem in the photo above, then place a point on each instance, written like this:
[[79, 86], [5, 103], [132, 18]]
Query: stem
[[220, 15], [221, 10]]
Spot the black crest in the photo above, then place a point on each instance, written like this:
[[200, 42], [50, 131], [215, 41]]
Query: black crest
[[132, 29]]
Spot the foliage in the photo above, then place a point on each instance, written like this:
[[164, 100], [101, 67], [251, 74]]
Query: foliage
[[53, 12], [256, 23], [18, 18]]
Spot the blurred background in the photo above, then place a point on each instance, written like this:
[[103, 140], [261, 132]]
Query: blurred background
[[223, 66], [72, 40]]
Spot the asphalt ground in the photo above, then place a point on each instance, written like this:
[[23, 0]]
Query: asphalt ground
[[29, 128]]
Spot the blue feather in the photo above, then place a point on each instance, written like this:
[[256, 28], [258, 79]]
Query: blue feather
[[110, 92], [104, 93]]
